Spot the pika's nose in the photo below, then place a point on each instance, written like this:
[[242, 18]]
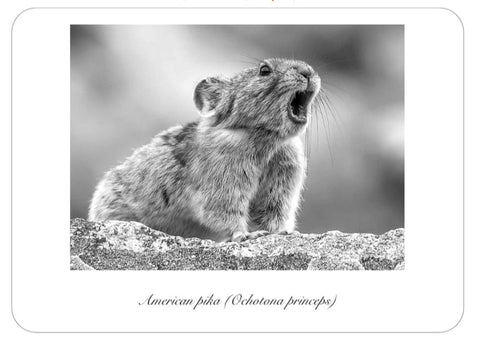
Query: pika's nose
[[306, 72]]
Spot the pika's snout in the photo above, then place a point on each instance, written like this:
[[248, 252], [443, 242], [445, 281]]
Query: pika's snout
[[301, 99], [305, 71], [312, 78]]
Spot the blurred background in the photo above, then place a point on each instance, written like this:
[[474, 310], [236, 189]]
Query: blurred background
[[130, 82]]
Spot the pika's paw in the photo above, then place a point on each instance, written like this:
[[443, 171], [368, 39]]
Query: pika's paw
[[290, 232], [138, 224], [256, 234], [239, 237]]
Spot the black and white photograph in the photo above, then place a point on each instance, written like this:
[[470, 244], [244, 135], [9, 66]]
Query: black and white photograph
[[237, 147]]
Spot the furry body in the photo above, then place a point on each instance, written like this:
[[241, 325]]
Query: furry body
[[235, 174]]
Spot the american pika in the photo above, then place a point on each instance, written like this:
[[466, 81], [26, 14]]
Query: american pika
[[234, 174]]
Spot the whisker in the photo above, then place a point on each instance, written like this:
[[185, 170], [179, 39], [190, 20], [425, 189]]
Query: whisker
[[327, 136], [318, 111], [316, 131], [340, 125], [257, 60], [321, 65], [331, 107], [250, 63], [327, 84], [327, 118], [307, 143]]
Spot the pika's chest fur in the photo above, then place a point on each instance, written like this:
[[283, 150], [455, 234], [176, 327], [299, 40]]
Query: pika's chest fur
[[209, 164]]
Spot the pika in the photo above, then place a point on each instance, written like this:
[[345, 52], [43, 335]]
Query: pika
[[234, 174]]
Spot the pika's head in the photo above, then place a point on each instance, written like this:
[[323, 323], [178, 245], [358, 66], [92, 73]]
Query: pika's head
[[276, 95]]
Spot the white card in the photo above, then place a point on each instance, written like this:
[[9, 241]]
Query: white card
[[48, 296]]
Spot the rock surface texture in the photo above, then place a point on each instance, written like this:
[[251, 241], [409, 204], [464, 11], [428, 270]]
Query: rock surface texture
[[118, 245]]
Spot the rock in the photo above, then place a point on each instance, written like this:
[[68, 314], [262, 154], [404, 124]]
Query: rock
[[118, 245], [77, 264]]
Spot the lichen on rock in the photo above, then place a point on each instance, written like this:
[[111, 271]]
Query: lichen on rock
[[118, 245]]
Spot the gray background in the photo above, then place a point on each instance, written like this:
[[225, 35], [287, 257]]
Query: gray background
[[130, 82]]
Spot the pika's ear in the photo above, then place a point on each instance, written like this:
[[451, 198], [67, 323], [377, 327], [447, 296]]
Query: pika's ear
[[207, 95]]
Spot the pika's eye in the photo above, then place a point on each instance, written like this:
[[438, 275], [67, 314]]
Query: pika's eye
[[265, 70]]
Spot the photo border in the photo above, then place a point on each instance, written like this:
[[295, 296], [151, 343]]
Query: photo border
[[233, 8]]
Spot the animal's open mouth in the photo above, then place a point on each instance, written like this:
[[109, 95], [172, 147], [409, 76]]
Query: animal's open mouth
[[298, 106]]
